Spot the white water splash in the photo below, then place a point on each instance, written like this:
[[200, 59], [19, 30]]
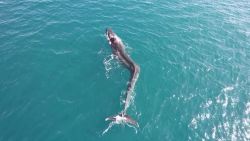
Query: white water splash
[[61, 52], [247, 112], [214, 132], [109, 64], [227, 89]]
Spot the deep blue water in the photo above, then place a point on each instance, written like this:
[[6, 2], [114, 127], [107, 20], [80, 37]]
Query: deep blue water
[[58, 80]]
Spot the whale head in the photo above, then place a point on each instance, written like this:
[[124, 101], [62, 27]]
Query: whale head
[[111, 36]]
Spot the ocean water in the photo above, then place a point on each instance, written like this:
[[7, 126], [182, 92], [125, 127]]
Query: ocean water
[[59, 81]]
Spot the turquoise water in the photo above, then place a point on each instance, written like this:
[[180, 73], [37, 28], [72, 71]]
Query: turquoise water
[[59, 81]]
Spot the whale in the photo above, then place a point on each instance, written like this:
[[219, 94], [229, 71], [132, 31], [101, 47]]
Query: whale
[[118, 49]]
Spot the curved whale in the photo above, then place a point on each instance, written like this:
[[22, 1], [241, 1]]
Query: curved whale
[[118, 49]]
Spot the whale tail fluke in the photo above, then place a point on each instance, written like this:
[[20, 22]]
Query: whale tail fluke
[[123, 119]]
